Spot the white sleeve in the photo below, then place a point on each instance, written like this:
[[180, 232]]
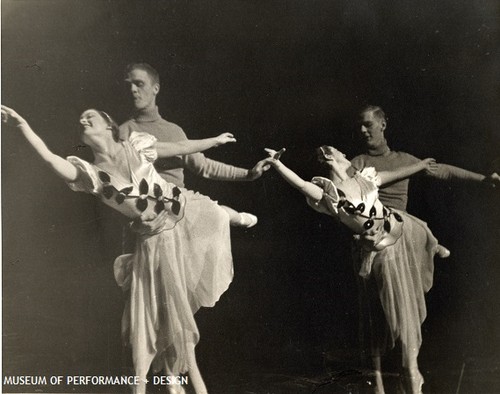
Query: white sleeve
[[144, 143], [88, 180]]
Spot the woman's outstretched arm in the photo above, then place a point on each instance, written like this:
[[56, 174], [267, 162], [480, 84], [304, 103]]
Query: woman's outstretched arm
[[169, 149], [308, 189], [60, 166], [407, 171]]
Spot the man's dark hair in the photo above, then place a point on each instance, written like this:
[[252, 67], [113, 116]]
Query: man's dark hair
[[153, 74]]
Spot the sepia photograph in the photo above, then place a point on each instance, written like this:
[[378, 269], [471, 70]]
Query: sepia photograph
[[250, 197]]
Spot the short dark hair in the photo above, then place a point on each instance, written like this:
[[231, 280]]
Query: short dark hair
[[115, 129], [378, 112], [153, 74]]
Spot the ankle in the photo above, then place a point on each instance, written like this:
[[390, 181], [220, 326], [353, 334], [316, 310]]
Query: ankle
[[415, 380]]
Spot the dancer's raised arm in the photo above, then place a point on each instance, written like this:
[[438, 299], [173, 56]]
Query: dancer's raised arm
[[185, 147], [336, 163], [59, 165], [306, 188]]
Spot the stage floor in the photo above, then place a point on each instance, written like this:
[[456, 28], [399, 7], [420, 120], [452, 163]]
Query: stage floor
[[475, 376]]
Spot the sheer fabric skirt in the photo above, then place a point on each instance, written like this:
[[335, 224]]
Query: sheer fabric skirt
[[392, 298], [168, 278]]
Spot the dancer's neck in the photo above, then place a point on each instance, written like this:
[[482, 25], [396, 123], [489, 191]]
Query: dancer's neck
[[106, 151], [147, 114], [380, 150]]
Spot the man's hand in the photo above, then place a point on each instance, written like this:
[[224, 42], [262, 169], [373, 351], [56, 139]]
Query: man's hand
[[149, 223], [369, 239], [256, 172], [429, 166]]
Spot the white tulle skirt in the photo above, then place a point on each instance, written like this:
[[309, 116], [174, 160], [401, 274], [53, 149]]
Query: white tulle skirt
[[393, 296], [168, 278]]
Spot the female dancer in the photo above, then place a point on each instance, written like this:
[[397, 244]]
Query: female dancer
[[401, 260], [183, 265]]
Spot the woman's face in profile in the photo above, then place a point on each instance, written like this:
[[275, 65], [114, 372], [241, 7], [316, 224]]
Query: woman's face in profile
[[328, 153], [335, 160], [91, 119]]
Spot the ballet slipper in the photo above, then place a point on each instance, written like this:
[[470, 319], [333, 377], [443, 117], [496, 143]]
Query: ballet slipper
[[442, 252], [278, 154], [247, 220]]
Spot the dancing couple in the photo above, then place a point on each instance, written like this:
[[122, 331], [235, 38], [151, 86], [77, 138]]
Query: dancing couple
[[182, 258]]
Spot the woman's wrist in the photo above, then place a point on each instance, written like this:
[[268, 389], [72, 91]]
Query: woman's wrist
[[22, 123]]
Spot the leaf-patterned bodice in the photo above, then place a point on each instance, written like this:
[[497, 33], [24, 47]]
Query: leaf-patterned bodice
[[355, 202], [136, 190]]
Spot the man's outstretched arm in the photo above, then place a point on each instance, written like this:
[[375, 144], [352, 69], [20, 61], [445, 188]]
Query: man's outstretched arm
[[450, 173], [202, 166]]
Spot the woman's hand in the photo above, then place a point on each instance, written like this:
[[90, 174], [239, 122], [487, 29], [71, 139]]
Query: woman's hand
[[429, 165], [369, 239], [273, 159], [11, 117], [61, 167], [224, 138], [274, 155], [257, 171]]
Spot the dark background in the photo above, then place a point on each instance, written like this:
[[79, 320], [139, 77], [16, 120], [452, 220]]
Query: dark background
[[278, 74]]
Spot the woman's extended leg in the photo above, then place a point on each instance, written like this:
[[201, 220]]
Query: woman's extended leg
[[442, 252], [172, 388], [377, 366], [142, 362], [413, 378], [241, 219], [194, 373], [175, 388]]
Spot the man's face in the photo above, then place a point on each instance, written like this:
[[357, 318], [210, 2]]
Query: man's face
[[371, 129], [142, 88]]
